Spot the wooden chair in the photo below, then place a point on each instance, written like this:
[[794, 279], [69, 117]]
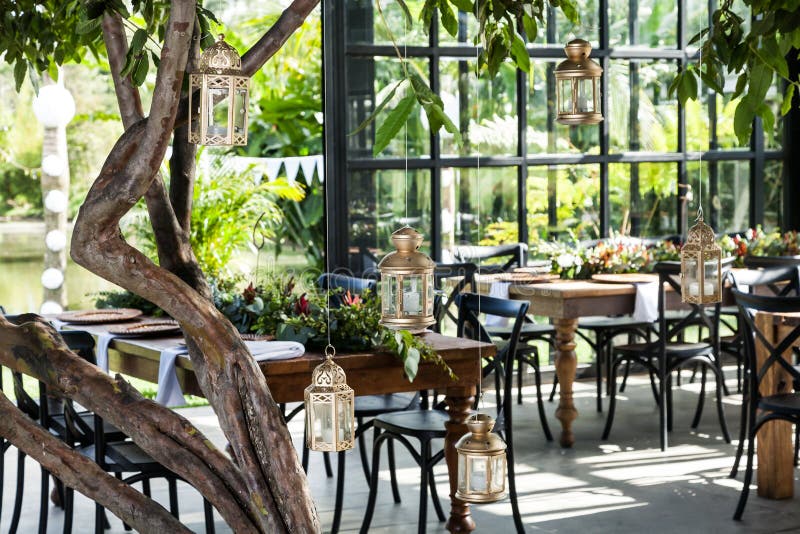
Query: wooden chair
[[782, 406], [427, 425], [666, 355]]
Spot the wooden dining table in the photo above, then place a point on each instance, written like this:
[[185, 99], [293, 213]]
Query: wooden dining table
[[367, 373]]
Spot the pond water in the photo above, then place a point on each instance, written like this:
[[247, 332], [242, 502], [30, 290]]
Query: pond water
[[21, 266]]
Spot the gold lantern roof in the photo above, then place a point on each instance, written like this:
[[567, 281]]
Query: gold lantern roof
[[328, 377], [578, 64], [701, 237], [220, 58], [480, 438], [407, 257]]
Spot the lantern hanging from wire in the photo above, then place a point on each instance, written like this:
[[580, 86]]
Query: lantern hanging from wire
[[481, 462], [577, 87], [329, 407], [406, 284], [218, 97], [701, 265]]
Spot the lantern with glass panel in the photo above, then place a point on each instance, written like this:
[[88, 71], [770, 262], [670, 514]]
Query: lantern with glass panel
[[701, 266], [577, 86], [481, 462], [406, 284], [218, 98], [329, 407]]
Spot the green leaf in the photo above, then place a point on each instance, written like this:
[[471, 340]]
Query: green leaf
[[743, 121], [388, 98], [449, 20], [406, 12], [137, 41], [411, 363], [464, 5], [87, 26], [787, 99], [760, 80], [741, 83], [520, 53], [570, 10], [768, 118], [140, 70], [426, 14], [393, 123], [531, 29], [20, 68], [772, 54]]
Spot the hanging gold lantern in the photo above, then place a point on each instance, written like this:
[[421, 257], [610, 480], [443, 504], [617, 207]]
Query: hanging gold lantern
[[481, 462], [218, 98], [330, 425], [577, 91], [406, 284], [701, 265]]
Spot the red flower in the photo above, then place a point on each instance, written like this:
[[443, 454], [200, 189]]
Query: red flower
[[301, 306], [351, 300], [249, 293]]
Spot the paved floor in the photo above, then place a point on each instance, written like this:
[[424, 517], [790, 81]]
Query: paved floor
[[623, 485]]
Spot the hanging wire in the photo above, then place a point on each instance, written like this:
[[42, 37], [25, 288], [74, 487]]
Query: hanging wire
[[700, 171], [405, 127], [478, 210]]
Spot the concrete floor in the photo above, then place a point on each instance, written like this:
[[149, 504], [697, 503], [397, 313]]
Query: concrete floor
[[623, 485]]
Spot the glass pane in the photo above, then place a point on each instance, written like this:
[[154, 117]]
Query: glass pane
[[429, 297], [484, 111], [563, 200], [479, 206], [239, 111], [732, 197], [585, 102], [467, 31], [366, 24], [412, 296], [389, 294], [643, 23], [344, 418], [323, 421], [641, 115], [218, 103], [642, 198], [498, 482], [545, 135], [773, 195], [726, 137], [697, 124], [462, 473], [477, 475], [369, 82], [565, 96], [379, 203]]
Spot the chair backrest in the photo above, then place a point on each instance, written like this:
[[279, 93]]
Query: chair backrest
[[781, 281], [356, 286], [669, 273], [749, 305], [516, 252], [765, 262], [443, 302], [470, 308]]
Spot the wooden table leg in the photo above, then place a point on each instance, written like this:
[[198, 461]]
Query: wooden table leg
[[459, 402], [566, 365], [775, 451]]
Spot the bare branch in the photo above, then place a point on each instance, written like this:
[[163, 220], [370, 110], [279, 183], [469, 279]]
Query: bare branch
[[128, 98]]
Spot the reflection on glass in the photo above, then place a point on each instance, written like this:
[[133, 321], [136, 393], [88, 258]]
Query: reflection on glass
[[773, 195], [477, 476], [585, 102], [344, 412], [565, 88], [218, 112], [239, 111], [389, 295], [412, 299], [323, 422]]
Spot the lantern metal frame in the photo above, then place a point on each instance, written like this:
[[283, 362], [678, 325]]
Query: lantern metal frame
[[329, 387], [575, 69], [395, 268], [700, 252], [219, 73], [483, 444]]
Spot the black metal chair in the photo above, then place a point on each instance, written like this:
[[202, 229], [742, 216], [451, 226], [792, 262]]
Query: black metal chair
[[778, 282], [515, 252], [444, 303], [427, 425], [664, 356], [782, 406], [366, 406]]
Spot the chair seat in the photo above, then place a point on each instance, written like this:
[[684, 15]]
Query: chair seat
[[604, 323], [125, 457], [429, 423], [785, 403], [679, 350], [529, 331], [372, 405]]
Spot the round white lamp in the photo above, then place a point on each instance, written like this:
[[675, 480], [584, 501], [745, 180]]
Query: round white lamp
[[53, 165], [50, 307], [55, 240], [54, 106], [55, 201], [52, 278]]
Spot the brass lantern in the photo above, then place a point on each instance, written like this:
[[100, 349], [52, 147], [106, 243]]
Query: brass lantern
[[218, 97], [481, 462], [330, 421], [577, 91], [406, 284], [701, 265]]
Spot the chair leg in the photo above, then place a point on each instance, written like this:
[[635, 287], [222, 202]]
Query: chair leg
[[701, 399], [373, 483], [69, 501], [555, 385], [748, 473], [304, 460], [720, 408], [173, 497], [393, 471], [537, 376], [668, 407], [600, 355], [437, 504], [99, 519], [337, 510], [125, 525], [743, 431], [362, 447], [20, 489], [44, 501], [422, 522], [625, 376], [146, 487], [520, 366], [612, 401], [208, 512], [796, 443], [326, 457]]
